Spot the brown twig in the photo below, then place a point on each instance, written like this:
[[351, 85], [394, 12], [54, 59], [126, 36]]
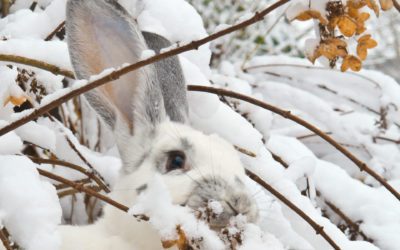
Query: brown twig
[[4, 239], [396, 5], [80, 169], [55, 31], [287, 114], [81, 188], [81, 181], [245, 151], [318, 228], [73, 191], [37, 64], [258, 16], [349, 222], [102, 183], [5, 9]]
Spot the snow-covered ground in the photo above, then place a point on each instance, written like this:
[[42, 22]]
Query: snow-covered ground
[[359, 110]]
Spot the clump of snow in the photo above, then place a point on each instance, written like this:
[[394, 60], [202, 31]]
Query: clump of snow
[[167, 219], [31, 210]]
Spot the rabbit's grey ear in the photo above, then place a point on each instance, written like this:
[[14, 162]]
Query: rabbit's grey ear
[[101, 35], [171, 79]]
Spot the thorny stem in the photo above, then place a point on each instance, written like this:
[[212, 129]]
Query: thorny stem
[[287, 114], [318, 228], [80, 169], [81, 188], [258, 16]]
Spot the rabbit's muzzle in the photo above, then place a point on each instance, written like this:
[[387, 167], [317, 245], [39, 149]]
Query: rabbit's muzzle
[[217, 201]]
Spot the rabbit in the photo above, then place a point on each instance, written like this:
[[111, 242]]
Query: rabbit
[[147, 110]]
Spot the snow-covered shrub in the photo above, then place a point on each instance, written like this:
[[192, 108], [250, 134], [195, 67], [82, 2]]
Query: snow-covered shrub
[[361, 111]]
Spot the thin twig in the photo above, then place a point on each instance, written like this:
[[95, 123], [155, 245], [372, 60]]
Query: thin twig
[[349, 222], [4, 239], [55, 31], [318, 228], [396, 5], [81, 188], [80, 169], [103, 183], [287, 114], [5, 9], [37, 64], [258, 16], [73, 191]]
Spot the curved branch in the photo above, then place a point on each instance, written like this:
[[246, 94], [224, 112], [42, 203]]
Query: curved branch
[[287, 114], [318, 228], [37, 64], [258, 16], [80, 169]]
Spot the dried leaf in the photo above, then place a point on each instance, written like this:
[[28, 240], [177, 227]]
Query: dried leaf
[[386, 4], [373, 6], [352, 62], [364, 43], [347, 26], [311, 14], [180, 243], [15, 100], [328, 50]]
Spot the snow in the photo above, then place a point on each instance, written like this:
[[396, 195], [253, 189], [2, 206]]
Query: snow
[[31, 208]]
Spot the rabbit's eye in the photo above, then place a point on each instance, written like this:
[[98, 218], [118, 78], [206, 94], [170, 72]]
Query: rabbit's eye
[[176, 160]]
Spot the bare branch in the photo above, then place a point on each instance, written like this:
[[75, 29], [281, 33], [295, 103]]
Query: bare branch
[[5, 9], [55, 31], [37, 64], [80, 169], [318, 228], [258, 16], [396, 4], [81, 188], [4, 238], [287, 114]]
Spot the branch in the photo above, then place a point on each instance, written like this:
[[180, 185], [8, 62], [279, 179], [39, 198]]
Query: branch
[[4, 239], [349, 222], [55, 31], [37, 64], [287, 114], [124, 70], [80, 169], [318, 228], [396, 5], [81, 188], [5, 9]]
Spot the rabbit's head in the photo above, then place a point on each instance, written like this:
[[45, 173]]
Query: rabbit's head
[[148, 113]]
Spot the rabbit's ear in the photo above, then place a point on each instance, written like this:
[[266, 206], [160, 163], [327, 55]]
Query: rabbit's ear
[[101, 35]]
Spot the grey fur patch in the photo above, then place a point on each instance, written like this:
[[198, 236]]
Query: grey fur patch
[[141, 188], [233, 199], [186, 145]]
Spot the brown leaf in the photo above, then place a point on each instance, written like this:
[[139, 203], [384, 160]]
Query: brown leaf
[[311, 14], [15, 100], [364, 43], [352, 62], [373, 6], [180, 243], [386, 4], [347, 26]]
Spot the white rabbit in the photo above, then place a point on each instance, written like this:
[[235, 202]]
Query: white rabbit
[[148, 113]]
